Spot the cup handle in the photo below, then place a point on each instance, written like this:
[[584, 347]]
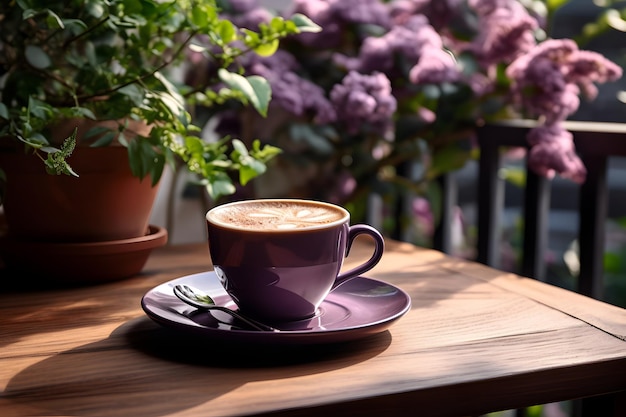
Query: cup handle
[[354, 231]]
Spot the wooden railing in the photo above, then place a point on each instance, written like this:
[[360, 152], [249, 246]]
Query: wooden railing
[[596, 143]]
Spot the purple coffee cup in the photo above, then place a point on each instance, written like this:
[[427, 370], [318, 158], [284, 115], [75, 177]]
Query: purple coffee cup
[[279, 258]]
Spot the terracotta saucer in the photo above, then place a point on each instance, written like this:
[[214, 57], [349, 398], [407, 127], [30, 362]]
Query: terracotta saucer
[[79, 263]]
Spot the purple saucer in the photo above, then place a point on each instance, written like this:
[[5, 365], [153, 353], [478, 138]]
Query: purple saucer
[[358, 308]]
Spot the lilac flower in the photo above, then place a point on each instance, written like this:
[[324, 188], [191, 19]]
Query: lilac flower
[[505, 31], [553, 97], [554, 72], [553, 152], [419, 46], [408, 41], [364, 100], [414, 36], [434, 67], [588, 67], [541, 71]]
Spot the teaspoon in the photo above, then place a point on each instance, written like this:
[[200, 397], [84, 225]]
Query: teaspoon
[[197, 298]]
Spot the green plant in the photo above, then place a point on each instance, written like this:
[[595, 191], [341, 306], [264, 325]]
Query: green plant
[[116, 60]]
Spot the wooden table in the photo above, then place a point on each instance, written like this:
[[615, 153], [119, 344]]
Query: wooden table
[[475, 340]]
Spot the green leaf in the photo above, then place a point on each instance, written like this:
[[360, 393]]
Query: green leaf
[[38, 108], [95, 9], [37, 140], [247, 173], [256, 89], [250, 165], [4, 111], [121, 138], [37, 57], [219, 186], [171, 98], [54, 21], [194, 145], [264, 154], [28, 13], [133, 92], [156, 168], [262, 94], [134, 159], [252, 38], [240, 147], [226, 31], [304, 24], [83, 112], [267, 49], [145, 160]]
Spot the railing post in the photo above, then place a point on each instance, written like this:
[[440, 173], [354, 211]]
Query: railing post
[[536, 212], [442, 240], [593, 213], [490, 203]]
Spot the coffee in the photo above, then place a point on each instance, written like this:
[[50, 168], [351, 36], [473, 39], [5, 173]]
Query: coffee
[[279, 259], [276, 215]]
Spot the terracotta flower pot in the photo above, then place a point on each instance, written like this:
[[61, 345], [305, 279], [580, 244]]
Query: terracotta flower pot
[[105, 203], [63, 229]]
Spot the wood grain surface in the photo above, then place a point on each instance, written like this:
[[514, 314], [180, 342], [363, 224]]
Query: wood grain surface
[[475, 340]]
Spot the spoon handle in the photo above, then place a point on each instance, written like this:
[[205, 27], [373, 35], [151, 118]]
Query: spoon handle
[[250, 322], [201, 301]]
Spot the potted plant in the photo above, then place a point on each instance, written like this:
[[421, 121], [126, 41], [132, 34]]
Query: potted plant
[[88, 85]]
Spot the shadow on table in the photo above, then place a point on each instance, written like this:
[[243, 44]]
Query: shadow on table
[[168, 344], [145, 370]]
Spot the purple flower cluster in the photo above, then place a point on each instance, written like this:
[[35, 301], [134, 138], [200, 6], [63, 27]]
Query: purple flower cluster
[[546, 82], [553, 152], [505, 31], [364, 99], [420, 47], [435, 66], [554, 72]]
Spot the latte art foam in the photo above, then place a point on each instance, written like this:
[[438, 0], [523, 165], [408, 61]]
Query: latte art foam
[[276, 215]]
